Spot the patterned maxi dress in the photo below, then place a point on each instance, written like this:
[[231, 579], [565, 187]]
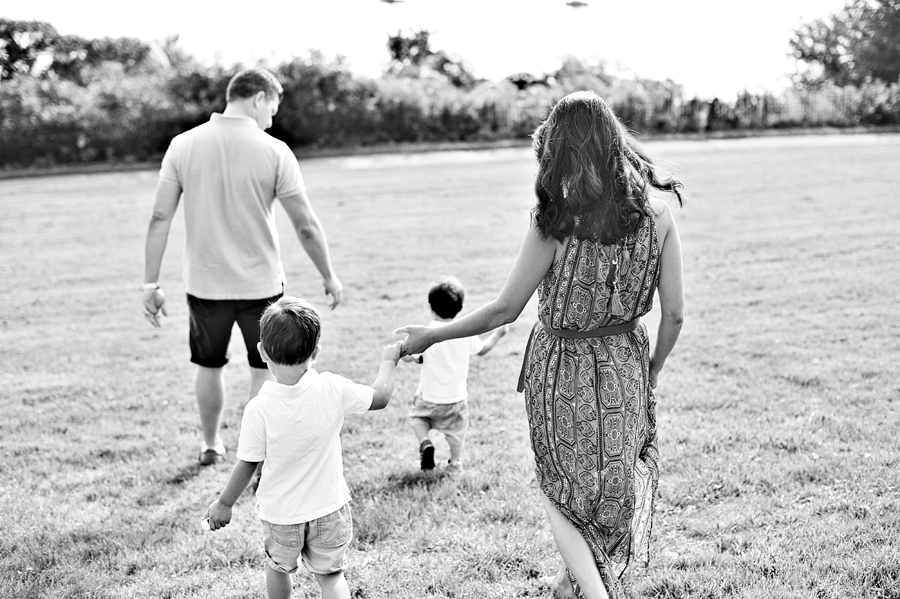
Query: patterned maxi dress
[[591, 410]]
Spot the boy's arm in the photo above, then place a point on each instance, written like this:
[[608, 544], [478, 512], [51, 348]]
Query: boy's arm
[[492, 339], [219, 513], [384, 382]]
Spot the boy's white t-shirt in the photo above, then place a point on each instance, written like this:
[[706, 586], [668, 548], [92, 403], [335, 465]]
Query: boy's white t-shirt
[[445, 368], [296, 430]]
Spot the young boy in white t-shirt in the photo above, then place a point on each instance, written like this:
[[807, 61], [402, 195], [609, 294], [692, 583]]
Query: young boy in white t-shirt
[[293, 427], [441, 402]]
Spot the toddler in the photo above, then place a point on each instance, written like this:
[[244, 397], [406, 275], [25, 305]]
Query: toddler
[[441, 400]]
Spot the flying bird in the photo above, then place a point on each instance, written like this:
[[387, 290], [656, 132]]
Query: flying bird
[[392, 1], [573, 3]]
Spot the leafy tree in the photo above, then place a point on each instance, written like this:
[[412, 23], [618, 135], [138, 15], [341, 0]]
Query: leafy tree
[[860, 42], [35, 48], [575, 74], [73, 57], [21, 45], [413, 57]]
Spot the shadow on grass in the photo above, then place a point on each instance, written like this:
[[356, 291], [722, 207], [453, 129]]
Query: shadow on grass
[[415, 479], [186, 474]]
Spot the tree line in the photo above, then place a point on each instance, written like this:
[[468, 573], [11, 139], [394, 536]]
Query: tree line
[[65, 98]]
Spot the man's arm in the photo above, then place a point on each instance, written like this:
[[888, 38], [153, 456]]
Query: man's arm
[[312, 238], [168, 195]]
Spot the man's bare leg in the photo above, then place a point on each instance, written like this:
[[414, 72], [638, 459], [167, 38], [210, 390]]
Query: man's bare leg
[[209, 386]]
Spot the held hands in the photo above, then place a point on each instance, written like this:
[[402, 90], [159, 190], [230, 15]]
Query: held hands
[[416, 340], [154, 301], [218, 515], [391, 353], [334, 288]]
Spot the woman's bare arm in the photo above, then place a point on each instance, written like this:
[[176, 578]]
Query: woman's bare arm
[[671, 289], [535, 259]]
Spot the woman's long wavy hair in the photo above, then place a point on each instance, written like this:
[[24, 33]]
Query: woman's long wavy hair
[[590, 167]]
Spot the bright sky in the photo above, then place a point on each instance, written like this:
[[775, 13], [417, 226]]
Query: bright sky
[[712, 47]]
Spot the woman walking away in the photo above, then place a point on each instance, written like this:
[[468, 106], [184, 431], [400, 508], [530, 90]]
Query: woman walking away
[[598, 248]]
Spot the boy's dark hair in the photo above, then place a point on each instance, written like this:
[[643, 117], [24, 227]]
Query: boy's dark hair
[[289, 331], [250, 82], [446, 297]]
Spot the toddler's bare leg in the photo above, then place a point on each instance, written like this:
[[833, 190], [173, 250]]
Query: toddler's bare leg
[[421, 428], [334, 586], [456, 442]]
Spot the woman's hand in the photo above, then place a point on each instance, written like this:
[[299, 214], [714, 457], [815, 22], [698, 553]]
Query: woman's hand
[[417, 339], [654, 375]]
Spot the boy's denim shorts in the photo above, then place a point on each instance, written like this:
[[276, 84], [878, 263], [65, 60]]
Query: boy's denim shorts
[[321, 543]]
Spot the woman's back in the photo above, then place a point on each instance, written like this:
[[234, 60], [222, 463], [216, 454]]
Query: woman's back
[[596, 285]]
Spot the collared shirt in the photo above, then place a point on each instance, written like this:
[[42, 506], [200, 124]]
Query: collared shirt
[[230, 172]]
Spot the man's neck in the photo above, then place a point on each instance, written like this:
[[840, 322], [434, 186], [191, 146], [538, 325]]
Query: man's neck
[[239, 108]]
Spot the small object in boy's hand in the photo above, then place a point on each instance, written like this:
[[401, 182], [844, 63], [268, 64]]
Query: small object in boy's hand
[[205, 524]]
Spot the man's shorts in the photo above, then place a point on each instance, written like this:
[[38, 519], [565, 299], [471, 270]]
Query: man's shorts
[[452, 419], [211, 325], [321, 543]]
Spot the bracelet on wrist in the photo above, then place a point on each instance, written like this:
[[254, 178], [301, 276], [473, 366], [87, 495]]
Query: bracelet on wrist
[[149, 286]]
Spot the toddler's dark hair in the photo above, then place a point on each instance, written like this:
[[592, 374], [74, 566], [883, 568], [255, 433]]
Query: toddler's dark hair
[[446, 297], [289, 331]]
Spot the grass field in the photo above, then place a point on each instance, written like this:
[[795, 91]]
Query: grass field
[[778, 412]]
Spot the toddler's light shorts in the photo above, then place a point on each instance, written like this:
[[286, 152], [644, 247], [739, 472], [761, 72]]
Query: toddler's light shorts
[[321, 543], [452, 419]]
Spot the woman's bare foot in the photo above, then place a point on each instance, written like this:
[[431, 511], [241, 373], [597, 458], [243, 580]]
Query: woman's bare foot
[[560, 585]]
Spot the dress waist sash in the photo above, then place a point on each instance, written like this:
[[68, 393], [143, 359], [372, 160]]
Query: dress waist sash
[[615, 329]]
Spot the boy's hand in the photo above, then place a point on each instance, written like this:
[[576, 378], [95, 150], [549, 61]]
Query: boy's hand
[[219, 515], [391, 352]]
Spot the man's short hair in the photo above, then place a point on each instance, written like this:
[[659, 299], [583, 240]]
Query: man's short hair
[[446, 297], [289, 331], [250, 82]]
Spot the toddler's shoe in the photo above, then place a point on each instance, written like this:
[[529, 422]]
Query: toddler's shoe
[[211, 455], [426, 455]]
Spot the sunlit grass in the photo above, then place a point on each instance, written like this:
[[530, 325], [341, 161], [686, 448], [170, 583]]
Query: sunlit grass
[[778, 410]]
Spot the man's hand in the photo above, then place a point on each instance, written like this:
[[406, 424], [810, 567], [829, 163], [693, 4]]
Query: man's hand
[[334, 288], [154, 301], [219, 515]]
